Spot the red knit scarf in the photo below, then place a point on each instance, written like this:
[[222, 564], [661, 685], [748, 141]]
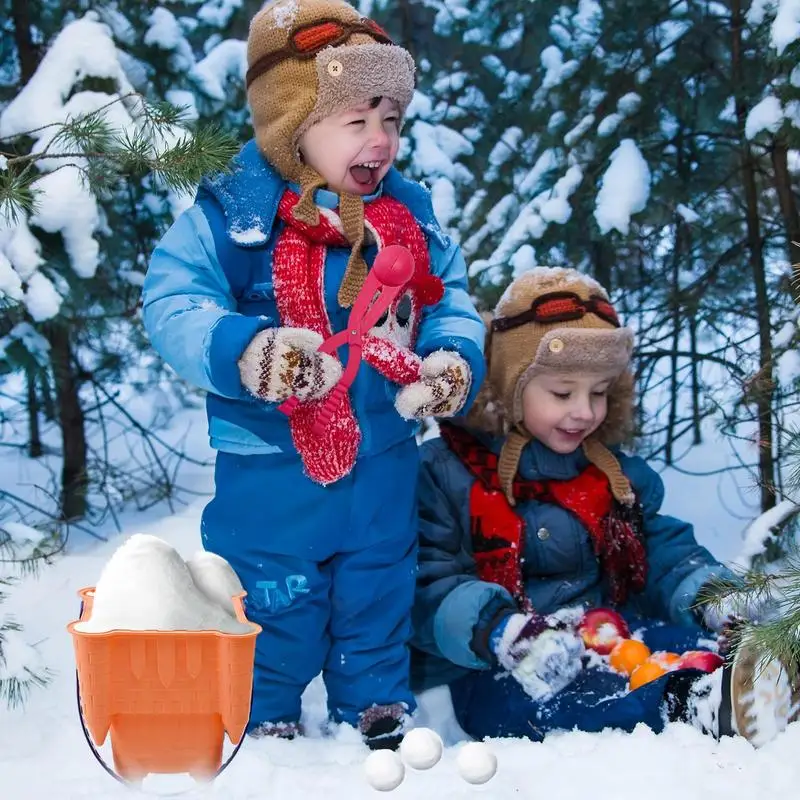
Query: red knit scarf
[[298, 269], [615, 531]]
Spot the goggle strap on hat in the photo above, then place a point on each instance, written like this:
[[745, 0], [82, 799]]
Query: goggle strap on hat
[[307, 40], [555, 307]]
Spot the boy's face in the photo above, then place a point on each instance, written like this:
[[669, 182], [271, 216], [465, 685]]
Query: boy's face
[[562, 410], [354, 149]]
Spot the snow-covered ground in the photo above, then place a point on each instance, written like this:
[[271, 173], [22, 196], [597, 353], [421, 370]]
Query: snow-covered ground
[[43, 755]]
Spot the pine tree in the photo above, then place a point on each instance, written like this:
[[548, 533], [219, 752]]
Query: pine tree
[[95, 164], [124, 162], [611, 137]]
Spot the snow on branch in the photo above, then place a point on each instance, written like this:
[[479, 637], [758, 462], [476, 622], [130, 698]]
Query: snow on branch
[[84, 143], [759, 532], [624, 188]]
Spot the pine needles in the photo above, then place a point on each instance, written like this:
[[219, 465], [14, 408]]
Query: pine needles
[[159, 143]]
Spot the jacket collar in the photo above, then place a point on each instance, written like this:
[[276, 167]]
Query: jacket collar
[[250, 192], [538, 462]]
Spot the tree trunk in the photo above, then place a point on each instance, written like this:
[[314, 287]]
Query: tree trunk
[[674, 383], [763, 386], [28, 56], [27, 51], [791, 219], [697, 432], [47, 400], [602, 259], [74, 474], [34, 433]]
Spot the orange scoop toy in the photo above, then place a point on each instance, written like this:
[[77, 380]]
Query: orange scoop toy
[[167, 698]]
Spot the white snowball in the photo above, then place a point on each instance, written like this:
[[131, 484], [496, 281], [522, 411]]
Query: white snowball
[[476, 763], [384, 770], [421, 748], [215, 578]]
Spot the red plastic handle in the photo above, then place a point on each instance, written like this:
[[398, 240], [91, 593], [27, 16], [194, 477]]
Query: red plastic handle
[[324, 415], [288, 406]]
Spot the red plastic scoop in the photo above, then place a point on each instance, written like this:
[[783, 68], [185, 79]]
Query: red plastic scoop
[[392, 270]]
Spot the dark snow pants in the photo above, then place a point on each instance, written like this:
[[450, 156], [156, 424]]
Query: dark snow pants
[[490, 704]]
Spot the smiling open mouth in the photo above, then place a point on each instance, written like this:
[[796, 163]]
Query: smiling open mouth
[[365, 173]]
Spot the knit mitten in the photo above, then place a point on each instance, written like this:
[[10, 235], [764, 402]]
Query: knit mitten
[[283, 362], [441, 391], [543, 656]]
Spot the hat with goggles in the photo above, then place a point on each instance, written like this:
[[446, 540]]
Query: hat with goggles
[[307, 60], [558, 320]]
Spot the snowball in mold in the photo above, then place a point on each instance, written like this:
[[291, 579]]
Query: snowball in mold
[[215, 578]]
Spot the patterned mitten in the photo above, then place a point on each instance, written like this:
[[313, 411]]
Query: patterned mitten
[[441, 390], [283, 362], [541, 654]]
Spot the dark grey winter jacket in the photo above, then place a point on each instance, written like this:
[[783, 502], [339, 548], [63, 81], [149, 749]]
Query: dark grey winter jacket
[[453, 609]]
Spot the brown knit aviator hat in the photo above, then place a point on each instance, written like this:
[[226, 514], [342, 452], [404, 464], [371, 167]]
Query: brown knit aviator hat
[[308, 59], [553, 319]]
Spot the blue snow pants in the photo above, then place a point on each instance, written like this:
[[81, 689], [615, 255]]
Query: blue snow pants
[[329, 574], [492, 704]]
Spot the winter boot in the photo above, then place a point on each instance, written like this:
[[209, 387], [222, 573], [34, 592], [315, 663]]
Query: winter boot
[[278, 730], [383, 727], [751, 697]]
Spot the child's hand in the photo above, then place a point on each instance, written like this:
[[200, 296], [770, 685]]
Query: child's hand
[[283, 362], [734, 608], [440, 392], [542, 658]]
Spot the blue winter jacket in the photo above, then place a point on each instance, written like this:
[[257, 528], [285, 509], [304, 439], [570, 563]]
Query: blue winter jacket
[[454, 611], [208, 291]]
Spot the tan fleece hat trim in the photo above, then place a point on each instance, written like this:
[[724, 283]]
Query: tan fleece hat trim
[[348, 75], [586, 350]]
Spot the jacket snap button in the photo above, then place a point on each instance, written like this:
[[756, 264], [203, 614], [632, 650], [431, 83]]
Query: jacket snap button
[[543, 533], [334, 68]]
